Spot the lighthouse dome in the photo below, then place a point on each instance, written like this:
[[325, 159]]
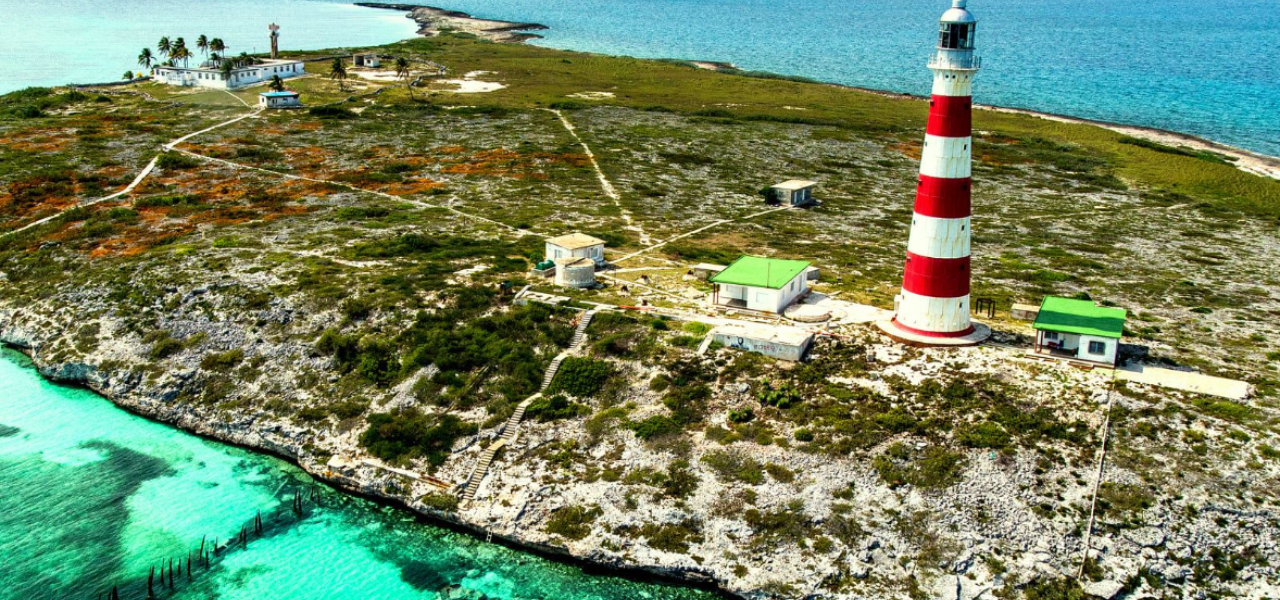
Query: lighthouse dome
[[958, 13]]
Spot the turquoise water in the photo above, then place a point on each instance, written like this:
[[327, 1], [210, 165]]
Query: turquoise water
[[1205, 67], [52, 42], [93, 496]]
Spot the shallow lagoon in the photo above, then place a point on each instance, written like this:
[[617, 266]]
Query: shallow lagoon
[[94, 496]]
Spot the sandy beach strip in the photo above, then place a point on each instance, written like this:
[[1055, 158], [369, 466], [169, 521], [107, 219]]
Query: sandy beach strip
[[433, 20]]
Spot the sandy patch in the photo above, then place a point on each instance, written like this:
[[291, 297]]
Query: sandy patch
[[1245, 160], [592, 95], [470, 85]]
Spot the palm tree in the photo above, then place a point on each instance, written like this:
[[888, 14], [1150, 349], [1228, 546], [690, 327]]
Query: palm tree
[[277, 84], [338, 71], [215, 58], [165, 46], [128, 75], [202, 43], [227, 70], [404, 71], [216, 45], [179, 51], [146, 58]]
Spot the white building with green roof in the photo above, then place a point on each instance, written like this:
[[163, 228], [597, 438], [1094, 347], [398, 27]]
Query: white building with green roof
[[1079, 330], [759, 283]]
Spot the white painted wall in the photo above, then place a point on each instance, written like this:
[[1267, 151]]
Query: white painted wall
[[595, 253], [932, 314], [239, 78], [765, 299], [1108, 354]]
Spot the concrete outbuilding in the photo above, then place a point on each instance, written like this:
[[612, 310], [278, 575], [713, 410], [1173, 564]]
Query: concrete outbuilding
[[578, 245], [371, 61], [285, 99], [778, 341], [758, 283], [1079, 330], [794, 192]]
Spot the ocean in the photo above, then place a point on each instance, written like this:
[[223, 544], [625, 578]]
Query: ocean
[[94, 497], [1207, 68]]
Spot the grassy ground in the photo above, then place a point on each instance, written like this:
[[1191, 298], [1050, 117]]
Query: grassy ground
[[366, 241]]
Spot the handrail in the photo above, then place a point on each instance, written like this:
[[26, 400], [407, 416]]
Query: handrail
[[973, 63]]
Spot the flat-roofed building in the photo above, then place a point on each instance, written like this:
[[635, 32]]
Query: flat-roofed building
[[759, 283], [794, 192], [576, 244], [1079, 330]]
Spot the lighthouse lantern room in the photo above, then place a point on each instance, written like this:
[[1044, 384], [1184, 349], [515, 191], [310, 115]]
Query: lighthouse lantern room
[[933, 306]]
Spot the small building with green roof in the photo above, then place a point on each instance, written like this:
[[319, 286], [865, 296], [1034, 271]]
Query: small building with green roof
[[759, 283], [1079, 330]]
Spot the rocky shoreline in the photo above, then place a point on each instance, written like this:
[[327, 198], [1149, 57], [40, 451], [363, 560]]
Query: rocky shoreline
[[432, 20], [287, 443]]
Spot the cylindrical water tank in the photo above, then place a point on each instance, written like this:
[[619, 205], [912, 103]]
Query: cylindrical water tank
[[575, 272]]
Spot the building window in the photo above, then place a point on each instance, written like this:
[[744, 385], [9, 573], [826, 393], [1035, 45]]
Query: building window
[[1097, 348], [1051, 335]]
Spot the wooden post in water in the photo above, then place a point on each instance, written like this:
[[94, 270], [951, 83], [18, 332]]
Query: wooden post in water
[[171, 573], [115, 593], [188, 565], [151, 591]]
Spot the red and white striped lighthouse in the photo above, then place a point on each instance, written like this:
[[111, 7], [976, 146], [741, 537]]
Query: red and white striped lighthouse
[[933, 307]]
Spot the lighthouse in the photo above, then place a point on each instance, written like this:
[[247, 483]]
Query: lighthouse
[[933, 307]]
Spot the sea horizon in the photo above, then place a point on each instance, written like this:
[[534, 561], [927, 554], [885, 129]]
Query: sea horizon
[[1106, 66]]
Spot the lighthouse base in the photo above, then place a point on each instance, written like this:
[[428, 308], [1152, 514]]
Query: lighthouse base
[[912, 338]]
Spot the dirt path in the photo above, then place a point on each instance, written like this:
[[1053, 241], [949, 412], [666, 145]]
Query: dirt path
[[605, 184], [699, 230], [146, 171]]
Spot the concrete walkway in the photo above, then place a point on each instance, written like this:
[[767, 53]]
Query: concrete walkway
[[1186, 381]]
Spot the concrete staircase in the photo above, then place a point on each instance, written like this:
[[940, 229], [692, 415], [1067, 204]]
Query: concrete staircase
[[511, 428]]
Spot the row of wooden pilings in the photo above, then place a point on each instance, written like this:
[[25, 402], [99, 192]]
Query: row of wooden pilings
[[170, 570]]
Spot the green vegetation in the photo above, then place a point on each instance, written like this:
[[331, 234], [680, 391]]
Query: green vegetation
[[554, 408], [933, 467], [405, 435], [573, 522], [581, 377]]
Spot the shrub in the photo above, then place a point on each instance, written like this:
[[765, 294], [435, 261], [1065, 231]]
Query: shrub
[[780, 473], [672, 537], [789, 524], [573, 522], [654, 427], [741, 416], [554, 408], [441, 502], [803, 435], [176, 161], [984, 435], [680, 482], [935, 467], [408, 434], [782, 397], [165, 348], [581, 377], [222, 361], [730, 465], [331, 112], [1123, 499]]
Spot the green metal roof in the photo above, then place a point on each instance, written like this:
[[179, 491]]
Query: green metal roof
[[1083, 317], [758, 271]]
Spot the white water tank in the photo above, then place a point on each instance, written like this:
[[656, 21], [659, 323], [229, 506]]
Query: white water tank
[[575, 272]]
